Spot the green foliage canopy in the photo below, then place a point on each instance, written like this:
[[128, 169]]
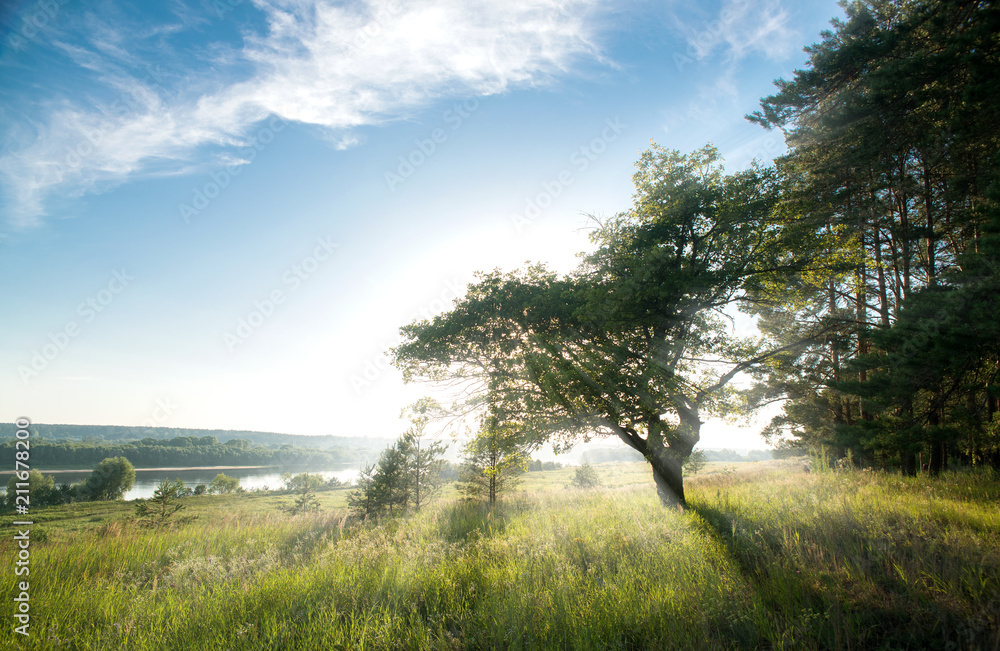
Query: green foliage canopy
[[224, 484], [110, 480], [634, 343], [493, 461]]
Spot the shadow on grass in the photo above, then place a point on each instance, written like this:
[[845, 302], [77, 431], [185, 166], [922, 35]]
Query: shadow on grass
[[817, 606], [467, 520]]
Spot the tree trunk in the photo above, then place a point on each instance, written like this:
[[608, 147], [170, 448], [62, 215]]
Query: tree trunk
[[929, 210], [668, 448], [883, 294], [669, 478], [904, 236], [907, 463], [936, 462], [936, 459], [665, 448], [416, 484]]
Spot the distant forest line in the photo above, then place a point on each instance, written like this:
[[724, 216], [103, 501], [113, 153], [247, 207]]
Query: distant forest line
[[99, 433], [148, 447], [611, 455]]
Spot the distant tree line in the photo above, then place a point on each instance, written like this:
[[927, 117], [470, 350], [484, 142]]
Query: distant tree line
[[733, 456], [117, 433], [608, 455], [537, 465], [181, 451]]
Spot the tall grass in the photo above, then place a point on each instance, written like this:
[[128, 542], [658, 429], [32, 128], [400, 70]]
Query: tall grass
[[866, 560], [770, 558]]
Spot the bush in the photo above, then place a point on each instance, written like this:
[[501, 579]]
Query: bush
[[407, 475], [223, 484], [110, 480], [42, 490], [586, 477]]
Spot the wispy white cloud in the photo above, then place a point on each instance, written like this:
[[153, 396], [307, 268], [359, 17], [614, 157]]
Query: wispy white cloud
[[334, 65], [744, 28]]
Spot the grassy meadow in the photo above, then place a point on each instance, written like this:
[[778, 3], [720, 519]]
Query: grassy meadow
[[767, 557]]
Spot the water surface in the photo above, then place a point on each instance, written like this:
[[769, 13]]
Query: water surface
[[146, 481]]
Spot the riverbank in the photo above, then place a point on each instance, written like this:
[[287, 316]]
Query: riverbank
[[56, 471]]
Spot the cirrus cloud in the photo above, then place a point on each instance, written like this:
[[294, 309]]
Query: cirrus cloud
[[337, 66]]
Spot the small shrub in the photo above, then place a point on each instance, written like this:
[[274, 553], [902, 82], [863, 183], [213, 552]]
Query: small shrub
[[224, 485], [586, 477], [158, 510], [305, 486], [696, 462]]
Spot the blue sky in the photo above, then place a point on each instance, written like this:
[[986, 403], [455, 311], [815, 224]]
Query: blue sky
[[218, 213]]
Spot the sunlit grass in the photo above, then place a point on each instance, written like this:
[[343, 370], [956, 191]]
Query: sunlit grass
[[767, 557], [870, 559]]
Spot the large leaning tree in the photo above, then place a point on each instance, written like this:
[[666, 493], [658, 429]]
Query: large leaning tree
[[637, 342]]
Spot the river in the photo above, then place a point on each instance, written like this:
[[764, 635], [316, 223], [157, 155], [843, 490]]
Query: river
[[147, 480]]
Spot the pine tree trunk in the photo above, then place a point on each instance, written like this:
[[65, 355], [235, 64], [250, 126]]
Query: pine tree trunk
[[929, 210], [883, 294], [936, 461], [907, 463], [861, 308]]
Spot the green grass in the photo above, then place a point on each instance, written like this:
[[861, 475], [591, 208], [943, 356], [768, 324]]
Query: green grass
[[766, 557]]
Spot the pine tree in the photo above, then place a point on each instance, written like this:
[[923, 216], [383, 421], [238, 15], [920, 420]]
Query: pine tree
[[158, 510], [892, 130], [425, 458]]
